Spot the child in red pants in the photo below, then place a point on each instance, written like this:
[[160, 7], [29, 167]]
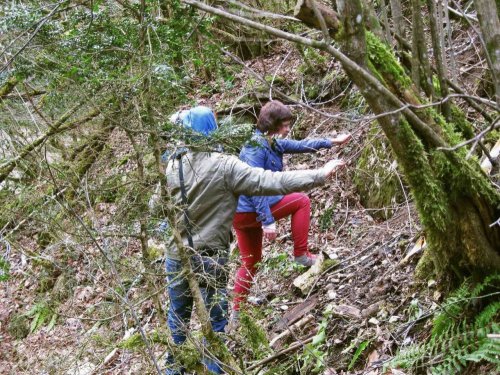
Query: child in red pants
[[256, 215]]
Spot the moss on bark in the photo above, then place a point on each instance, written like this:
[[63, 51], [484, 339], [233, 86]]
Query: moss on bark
[[376, 176]]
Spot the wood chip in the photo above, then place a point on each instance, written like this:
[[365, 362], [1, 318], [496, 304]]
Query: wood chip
[[346, 311]]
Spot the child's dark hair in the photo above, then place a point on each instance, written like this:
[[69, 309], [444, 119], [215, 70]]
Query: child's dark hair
[[272, 115]]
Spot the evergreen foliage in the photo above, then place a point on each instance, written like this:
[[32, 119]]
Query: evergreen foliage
[[457, 339]]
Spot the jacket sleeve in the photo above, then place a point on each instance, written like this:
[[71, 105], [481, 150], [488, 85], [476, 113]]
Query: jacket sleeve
[[256, 157], [306, 145], [241, 179]]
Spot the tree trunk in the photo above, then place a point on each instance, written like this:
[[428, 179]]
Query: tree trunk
[[398, 19], [456, 202], [487, 12], [438, 57], [421, 72]]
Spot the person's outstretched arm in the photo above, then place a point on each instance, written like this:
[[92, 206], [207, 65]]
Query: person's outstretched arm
[[291, 146], [241, 179]]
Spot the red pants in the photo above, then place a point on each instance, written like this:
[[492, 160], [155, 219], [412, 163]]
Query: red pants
[[249, 235]]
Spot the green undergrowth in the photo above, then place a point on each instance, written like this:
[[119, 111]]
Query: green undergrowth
[[135, 341], [314, 355], [254, 336], [41, 314], [461, 333], [376, 176]]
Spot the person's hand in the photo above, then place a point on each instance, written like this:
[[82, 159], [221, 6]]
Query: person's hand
[[333, 166], [269, 231], [341, 139]]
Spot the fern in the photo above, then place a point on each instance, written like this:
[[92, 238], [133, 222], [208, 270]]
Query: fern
[[456, 340], [453, 307], [41, 313]]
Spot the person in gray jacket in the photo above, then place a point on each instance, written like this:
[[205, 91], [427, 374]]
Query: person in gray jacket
[[207, 185]]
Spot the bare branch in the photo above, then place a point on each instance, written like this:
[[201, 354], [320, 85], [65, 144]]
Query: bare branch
[[9, 166], [42, 22], [477, 138], [431, 137]]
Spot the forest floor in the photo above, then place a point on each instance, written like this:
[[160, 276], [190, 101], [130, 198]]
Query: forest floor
[[367, 305]]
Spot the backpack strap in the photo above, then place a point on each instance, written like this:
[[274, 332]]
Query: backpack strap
[[185, 203]]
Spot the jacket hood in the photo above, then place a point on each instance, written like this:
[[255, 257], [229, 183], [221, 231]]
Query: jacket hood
[[201, 119]]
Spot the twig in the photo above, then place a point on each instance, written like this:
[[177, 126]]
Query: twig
[[490, 128], [345, 219], [343, 269], [302, 322], [290, 349], [42, 22], [349, 65]]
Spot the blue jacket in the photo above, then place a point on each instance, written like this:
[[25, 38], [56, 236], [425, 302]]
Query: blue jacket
[[258, 153]]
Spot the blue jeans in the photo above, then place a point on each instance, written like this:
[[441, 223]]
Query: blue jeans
[[212, 277]]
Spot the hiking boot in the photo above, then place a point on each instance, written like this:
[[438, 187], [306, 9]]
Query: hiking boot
[[306, 260]]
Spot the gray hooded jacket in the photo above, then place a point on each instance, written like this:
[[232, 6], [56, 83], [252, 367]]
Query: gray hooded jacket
[[213, 183]]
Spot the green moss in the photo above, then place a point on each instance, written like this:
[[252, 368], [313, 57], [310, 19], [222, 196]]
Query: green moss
[[254, 335], [326, 219], [462, 125], [136, 342], [19, 326], [437, 85], [328, 263], [429, 194], [155, 252], [375, 72], [492, 137], [384, 60], [464, 179], [452, 136], [276, 80], [376, 176], [189, 355], [133, 342]]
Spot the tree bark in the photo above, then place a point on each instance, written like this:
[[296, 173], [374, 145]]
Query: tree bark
[[421, 72], [304, 11], [487, 12], [398, 19], [438, 57]]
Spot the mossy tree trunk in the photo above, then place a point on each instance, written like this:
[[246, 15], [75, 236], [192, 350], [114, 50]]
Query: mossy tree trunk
[[456, 202]]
